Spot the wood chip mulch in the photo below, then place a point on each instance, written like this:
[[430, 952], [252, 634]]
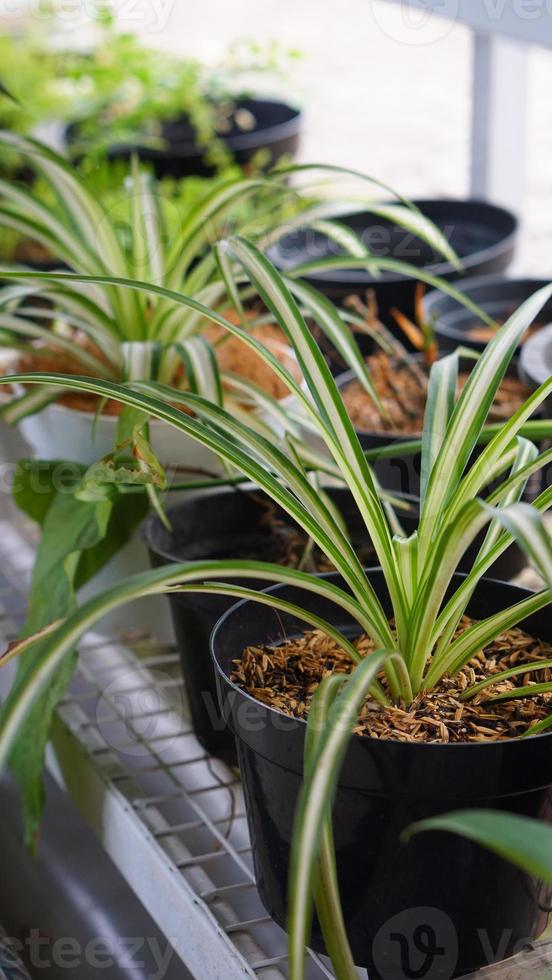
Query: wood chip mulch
[[402, 388], [285, 677], [231, 353]]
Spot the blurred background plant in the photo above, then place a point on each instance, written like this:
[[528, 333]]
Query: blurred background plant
[[120, 90]]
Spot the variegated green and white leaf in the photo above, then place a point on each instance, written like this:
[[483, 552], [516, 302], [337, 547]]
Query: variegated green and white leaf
[[470, 415], [30, 403], [141, 359], [315, 801], [525, 524], [30, 685], [336, 330], [202, 370], [441, 398]]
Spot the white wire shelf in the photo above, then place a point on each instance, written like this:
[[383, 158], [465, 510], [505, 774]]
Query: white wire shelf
[[11, 967], [171, 818]]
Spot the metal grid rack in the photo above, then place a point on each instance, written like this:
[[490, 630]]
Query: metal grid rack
[[171, 818], [11, 967]]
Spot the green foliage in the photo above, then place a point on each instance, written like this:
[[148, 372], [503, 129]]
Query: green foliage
[[27, 90], [121, 91], [78, 538], [125, 91], [420, 646], [141, 234], [139, 231], [27, 72]]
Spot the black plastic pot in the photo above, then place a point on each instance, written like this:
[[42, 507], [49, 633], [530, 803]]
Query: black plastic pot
[[496, 295], [277, 129], [535, 367], [535, 362], [401, 473], [483, 235], [224, 524], [433, 909]]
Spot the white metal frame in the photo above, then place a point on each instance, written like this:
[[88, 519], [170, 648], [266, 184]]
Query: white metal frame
[[502, 33]]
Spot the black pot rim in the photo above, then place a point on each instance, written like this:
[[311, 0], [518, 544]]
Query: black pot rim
[[365, 739], [469, 285], [152, 521], [238, 142], [343, 277], [243, 141], [533, 367]]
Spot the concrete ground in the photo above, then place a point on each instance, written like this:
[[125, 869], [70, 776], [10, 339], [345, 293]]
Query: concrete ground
[[374, 99]]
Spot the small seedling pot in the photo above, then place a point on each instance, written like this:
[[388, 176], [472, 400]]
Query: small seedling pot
[[439, 906], [498, 296], [224, 524], [482, 234]]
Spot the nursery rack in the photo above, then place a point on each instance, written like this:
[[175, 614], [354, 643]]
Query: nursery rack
[[170, 817]]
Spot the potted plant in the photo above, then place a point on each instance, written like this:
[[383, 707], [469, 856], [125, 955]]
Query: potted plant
[[121, 96], [57, 321], [90, 329], [241, 522], [244, 523], [182, 116], [114, 333], [416, 651], [453, 325]]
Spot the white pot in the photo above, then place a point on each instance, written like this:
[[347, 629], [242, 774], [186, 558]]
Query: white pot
[[58, 432], [150, 616]]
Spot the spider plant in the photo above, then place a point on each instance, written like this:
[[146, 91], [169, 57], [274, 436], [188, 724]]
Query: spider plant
[[113, 333], [420, 645], [139, 232], [104, 329]]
